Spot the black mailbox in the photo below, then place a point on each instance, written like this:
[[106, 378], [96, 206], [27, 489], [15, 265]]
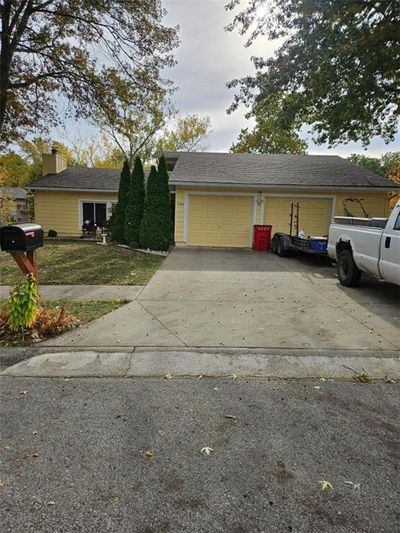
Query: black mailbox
[[21, 237]]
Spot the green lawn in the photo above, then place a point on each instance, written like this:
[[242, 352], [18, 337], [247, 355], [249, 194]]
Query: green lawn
[[75, 263], [84, 311]]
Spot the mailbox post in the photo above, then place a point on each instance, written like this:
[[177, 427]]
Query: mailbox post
[[22, 241]]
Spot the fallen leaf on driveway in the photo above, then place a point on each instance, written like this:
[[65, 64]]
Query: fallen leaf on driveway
[[35, 454], [34, 433], [200, 377], [356, 486], [325, 484], [317, 387], [389, 380], [361, 378], [167, 376], [233, 376], [233, 417], [206, 450], [148, 452], [51, 503], [23, 392], [1, 483]]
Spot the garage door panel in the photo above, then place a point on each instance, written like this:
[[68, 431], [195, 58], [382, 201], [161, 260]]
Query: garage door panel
[[220, 220], [314, 214]]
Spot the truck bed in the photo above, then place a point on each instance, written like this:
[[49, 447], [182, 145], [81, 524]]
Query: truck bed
[[358, 221]]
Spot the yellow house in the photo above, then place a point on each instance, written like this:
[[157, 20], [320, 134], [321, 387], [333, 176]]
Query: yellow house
[[219, 196], [66, 197]]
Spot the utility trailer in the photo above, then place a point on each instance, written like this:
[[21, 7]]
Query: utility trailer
[[285, 244]]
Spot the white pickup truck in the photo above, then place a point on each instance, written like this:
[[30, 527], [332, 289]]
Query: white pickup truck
[[369, 245]]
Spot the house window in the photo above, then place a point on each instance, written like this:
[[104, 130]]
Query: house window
[[95, 212]]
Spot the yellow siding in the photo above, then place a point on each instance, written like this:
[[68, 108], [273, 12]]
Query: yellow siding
[[314, 214], [317, 221], [376, 204], [59, 210], [220, 221]]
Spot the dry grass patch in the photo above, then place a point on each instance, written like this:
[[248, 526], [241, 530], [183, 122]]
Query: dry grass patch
[[85, 263]]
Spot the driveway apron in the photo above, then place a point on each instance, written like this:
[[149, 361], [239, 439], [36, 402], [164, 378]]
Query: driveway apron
[[238, 298]]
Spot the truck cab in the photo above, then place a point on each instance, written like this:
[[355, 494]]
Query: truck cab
[[366, 245]]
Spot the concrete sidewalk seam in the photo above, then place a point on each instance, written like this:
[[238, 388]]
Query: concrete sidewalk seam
[[160, 322]]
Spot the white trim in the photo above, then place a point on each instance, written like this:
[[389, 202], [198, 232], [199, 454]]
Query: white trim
[[266, 186], [66, 189], [186, 209], [80, 208], [186, 217]]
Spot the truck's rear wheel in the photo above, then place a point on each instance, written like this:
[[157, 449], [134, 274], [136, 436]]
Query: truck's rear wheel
[[348, 272]]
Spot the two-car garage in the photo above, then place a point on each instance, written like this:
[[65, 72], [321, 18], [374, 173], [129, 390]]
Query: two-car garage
[[219, 197]]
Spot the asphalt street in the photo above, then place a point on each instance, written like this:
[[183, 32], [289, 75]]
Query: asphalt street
[[198, 455]]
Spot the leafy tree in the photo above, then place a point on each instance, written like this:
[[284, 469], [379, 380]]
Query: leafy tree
[[8, 208], [189, 134], [387, 165], [14, 170], [372, 163], [391, 164], [135, 207], [270, 134], [339, 64], [118, 223], [86, 52], [133, 121], [156, 227], [35, 148]]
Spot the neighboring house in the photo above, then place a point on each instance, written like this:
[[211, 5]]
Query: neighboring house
[[18, 196], [219, 196]]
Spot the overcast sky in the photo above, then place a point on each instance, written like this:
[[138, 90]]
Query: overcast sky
[[208, 57]]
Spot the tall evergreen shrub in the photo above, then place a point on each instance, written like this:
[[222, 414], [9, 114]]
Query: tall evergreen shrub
[[135, 207], [156, 227], [118, 222]]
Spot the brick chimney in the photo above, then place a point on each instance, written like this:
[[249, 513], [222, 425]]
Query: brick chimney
[[53, 163]]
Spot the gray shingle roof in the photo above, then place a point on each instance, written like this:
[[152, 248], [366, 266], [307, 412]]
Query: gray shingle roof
[[284, 170], [14, 192], [104, 179], [216, 168]]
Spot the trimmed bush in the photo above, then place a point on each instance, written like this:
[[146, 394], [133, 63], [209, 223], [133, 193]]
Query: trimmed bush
[[135, 207], [156, 227], [118, 223]]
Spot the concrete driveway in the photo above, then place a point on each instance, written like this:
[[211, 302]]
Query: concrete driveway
[[239, 298]]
